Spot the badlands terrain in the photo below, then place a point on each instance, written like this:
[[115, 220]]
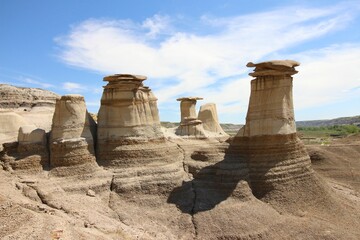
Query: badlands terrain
[[64, 175]]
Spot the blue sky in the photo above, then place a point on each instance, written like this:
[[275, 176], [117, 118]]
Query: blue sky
[[186, 48]]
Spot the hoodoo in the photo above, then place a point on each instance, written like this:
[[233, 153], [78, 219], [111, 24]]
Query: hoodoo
[[130, 139], [190, 125], [72, 133], [128, 114], [269, 140], [209, 117]]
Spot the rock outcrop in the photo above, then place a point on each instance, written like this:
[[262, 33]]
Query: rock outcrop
[[209, 117], [72, 133], [10, 123], [268, 140], [29, 153], [190, 125], [26, 98], [24, 106]]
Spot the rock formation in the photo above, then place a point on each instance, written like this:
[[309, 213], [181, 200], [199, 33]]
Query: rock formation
[[190, 125], [10, 123], [208, 116], [26, 98], [24, 106], [72, 133], [258, 185], [30, 152], [268, 140], [130, 137]]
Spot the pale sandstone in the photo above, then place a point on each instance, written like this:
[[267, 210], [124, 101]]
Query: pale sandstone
[[29, 153], [271, 109], [268, 141], [128, 109], [29, 134], [188, 107], [27, 106], [130, 139], [10, 123], [72, 133], [209, 117], [190, 125]]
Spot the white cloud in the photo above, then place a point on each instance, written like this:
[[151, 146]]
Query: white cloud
[[157, 24], [35, 82], [188, 63], [73, 87], [327, 75]]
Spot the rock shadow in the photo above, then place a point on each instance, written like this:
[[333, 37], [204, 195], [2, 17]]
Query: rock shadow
[[213, 184]]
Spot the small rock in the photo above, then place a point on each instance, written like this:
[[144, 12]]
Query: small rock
[[90, 193]]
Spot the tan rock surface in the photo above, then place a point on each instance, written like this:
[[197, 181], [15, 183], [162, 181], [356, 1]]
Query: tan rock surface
[[71, 138], [271, 109], [29, 134], [209, 117], [268, 140], [26, 98], [190, 125], [10, 123], [30, 153], [24, 106]]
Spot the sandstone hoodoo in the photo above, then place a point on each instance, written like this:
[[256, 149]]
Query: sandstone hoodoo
[[72, 133], [130, 138], [190, 125], [269, 141], [128, 113], [209, 117]]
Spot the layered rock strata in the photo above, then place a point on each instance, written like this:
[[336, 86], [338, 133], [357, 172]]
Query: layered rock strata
[[209, 117], [268, 140], [72, 133], [17, 97], [130, 139], [190, 125], [24, 106], [30, 152]]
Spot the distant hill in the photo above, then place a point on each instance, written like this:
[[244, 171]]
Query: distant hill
[[331, 122]]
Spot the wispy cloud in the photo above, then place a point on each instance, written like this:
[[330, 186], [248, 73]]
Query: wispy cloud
[[35, 82], [211, 63], [73, 87]]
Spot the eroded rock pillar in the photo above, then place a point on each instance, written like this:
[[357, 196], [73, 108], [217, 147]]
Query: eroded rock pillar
[[130, 139], [72, 133], [269, 140], [190, 125]]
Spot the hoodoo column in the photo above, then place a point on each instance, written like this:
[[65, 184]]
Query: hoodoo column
[[190, 125], [187, 107], [269, 140]]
